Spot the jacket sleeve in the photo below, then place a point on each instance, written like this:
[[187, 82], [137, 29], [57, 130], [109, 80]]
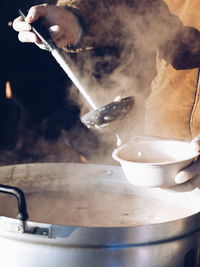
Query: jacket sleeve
[[103, 25], [147, 25], [177, 44], [185, 49]]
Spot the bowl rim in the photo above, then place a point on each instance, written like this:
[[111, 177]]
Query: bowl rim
[[119, 159]]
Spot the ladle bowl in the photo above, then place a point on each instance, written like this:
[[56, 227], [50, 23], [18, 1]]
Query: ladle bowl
[[111, 112]]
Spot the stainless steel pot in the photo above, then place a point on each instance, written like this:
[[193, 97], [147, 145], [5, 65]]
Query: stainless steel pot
[[85, 215]]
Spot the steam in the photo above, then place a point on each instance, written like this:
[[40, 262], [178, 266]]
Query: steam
[[63, 61], [129, 65], [123, 65]]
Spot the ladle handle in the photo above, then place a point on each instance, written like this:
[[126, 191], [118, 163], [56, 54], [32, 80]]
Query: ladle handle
[[41, 31]]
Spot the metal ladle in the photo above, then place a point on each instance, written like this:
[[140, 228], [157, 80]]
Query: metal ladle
[[99, 116], [104, 115]]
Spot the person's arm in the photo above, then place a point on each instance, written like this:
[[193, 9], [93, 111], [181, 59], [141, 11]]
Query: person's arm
[[67, 21], [182, 52], [177, 44], [100, 22], [146, 24]]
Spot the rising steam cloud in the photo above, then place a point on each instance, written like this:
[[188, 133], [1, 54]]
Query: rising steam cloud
[[127, 38]]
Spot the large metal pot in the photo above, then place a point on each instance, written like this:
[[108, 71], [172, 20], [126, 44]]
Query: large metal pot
[[85, 215]]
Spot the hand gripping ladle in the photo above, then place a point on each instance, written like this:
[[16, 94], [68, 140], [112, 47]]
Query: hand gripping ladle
[[98, 116]]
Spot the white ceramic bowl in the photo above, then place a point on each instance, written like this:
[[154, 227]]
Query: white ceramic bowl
[[154, 163]]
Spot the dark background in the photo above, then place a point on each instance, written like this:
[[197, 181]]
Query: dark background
[[39, 106]]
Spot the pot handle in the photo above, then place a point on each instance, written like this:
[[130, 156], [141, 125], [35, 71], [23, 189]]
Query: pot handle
[[22, 212], [22, 209]]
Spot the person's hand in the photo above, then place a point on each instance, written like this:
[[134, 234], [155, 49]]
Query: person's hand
[[63, 26], [192, 171]]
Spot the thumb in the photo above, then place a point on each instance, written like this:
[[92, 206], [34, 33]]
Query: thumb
[[196, 143], [35, 12], [55, 31]]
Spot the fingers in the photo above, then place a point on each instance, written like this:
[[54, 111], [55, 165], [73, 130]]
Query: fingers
[[35, 12], [193, 171], [25, 35], [63, 25], [28, 37], [20, 25], [188, 173], [24, 28], [196, 143]]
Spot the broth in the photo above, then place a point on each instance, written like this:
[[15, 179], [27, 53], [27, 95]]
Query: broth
[[95, 209]]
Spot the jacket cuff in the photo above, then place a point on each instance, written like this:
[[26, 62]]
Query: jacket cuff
[[79, 45]]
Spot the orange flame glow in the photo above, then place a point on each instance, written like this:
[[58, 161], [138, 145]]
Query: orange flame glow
[[8, 90]]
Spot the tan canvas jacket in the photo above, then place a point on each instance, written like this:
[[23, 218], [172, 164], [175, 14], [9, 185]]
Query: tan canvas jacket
[[173, 107]]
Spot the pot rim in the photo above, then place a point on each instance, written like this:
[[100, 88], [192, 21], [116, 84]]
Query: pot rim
[[109, 237]]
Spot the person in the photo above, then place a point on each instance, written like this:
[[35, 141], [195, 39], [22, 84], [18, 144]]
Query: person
[[168, 30]]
